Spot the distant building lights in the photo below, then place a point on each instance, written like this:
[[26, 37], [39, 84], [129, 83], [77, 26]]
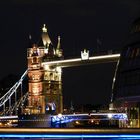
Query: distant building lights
[[77, 122]]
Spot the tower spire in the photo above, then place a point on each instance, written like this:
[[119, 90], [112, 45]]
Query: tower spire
[[58, 48], [44, 29], [58, 44], [45, 37], [30, 41]]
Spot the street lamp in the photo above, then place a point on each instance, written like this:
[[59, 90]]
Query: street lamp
[[60, 117]]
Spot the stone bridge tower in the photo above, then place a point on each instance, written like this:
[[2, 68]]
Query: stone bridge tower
[[44, 81]]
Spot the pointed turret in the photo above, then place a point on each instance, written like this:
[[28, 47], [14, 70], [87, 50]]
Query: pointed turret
[[58, 44], [58, 49], [45, 37], [30, 43]]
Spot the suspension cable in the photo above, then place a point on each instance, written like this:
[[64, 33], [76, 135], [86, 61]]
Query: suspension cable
[[12, 90]]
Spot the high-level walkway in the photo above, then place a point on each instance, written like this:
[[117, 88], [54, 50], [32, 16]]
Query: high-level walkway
[[78, 61]]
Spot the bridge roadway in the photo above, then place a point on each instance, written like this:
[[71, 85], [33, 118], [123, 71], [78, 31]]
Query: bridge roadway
[[78, 61]]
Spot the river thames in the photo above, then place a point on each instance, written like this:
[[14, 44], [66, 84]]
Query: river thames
[[67, 134]]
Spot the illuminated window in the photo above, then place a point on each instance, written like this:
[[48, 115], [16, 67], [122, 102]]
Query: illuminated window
[[35, 90], [46, 77], [34, 60], [51, 76]]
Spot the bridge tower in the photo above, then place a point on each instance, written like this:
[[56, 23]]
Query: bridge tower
[[45, 84]]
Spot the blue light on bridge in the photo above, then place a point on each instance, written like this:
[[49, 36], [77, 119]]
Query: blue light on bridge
[[120, 116], [70, 136], [103, 116], [62, 119]]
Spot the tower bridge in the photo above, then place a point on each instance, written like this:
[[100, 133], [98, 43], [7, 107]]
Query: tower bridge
[[45, 64]]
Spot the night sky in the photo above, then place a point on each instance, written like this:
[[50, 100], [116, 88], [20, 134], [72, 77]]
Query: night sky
[[97, 25]]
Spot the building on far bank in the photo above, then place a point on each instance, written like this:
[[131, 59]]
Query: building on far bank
[[126, 82]]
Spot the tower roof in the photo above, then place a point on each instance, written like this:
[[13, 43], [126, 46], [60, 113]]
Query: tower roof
[[45, 40], [45, 37]]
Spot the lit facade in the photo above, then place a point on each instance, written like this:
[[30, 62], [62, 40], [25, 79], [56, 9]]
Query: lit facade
[[126, 83], [45, 84]]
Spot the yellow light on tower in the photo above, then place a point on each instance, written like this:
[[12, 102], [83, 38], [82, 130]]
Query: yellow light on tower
[[58, 69], [46, 67]]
